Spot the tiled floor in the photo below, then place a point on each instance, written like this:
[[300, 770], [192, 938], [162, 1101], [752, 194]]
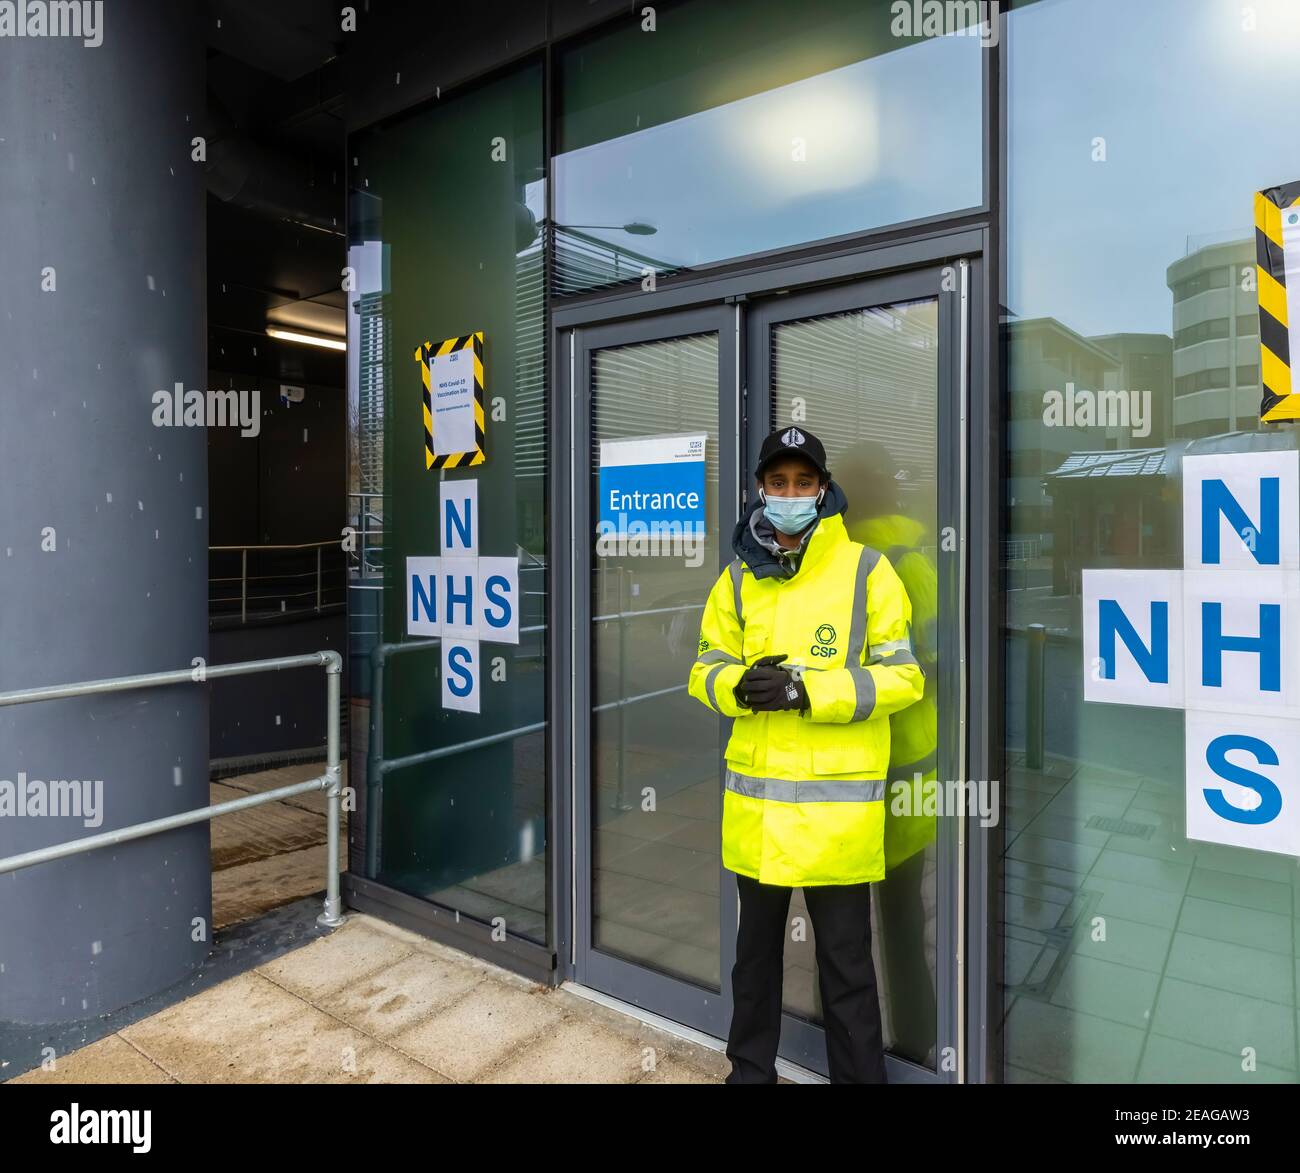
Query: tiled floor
[[1134, 954], [371, 1003]]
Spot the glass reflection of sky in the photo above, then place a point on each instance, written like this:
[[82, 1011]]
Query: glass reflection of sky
[[895, 137], [1197, 111]]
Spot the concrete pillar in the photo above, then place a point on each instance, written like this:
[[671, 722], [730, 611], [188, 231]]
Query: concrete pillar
[[103, 515]]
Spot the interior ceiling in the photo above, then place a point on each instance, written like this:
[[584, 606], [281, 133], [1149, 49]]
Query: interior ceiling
[[276, 230]]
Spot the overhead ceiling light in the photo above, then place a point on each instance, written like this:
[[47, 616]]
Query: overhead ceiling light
[[309, 339]]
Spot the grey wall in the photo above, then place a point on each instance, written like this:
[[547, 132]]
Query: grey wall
[[96, 180]]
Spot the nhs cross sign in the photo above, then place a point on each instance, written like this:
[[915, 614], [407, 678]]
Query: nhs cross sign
[[1219, 639], [462, 596]]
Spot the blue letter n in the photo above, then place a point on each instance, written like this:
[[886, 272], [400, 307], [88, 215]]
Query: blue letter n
[[1154, 662], [420, 598], [1216, 499]]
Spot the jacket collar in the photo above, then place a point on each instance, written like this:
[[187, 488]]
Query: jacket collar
[[754, 538]]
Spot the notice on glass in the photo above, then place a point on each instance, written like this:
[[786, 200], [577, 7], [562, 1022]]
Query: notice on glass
[[451, 383]]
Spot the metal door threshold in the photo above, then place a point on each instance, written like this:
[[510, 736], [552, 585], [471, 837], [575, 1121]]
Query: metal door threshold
[[791, 1071]]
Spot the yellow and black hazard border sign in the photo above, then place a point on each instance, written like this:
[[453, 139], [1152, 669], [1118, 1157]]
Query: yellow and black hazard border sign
[[423, 355], [1280, 402]]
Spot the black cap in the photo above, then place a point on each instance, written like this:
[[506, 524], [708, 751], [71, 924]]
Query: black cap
[[792, 441]]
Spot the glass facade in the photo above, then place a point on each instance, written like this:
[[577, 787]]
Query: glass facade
[[1133, 953], [1130, 317], [467, 829]]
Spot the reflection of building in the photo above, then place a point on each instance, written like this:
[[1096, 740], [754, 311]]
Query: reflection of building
[[1216, 340], [1044, 356], [1143, 365], [1124, 508], [584, 261], [1112, 508]]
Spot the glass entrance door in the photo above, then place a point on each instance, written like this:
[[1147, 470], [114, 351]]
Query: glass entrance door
[[678, 403], [650, 497], [870, 369]]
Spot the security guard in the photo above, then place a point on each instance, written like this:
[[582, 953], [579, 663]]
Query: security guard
[[806, 641]]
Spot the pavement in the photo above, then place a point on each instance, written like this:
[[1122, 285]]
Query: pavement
[[374, 1003], [269, 855]]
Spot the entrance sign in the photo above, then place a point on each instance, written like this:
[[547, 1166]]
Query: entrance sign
[[652, 485], [1221, 640], [462, 597], [452, 373]]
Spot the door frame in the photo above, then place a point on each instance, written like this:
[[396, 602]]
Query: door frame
[[802, 1040], [966, 977], [674, 998]]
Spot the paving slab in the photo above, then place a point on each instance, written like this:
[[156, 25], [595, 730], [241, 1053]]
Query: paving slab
[[480, 1030], [110, 1060], [398, 996], [574, 1052], [347, 955], [249, 1030]]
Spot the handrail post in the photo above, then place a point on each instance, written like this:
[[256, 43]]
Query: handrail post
[[332, 916], [1035, 708]]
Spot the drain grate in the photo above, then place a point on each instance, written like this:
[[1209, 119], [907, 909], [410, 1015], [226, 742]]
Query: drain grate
[[1119, 827]]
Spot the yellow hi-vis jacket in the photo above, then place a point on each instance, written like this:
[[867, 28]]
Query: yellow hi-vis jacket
[[910, 818], [804, 794]]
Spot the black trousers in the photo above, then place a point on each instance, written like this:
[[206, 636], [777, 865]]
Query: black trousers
[[841, 916]]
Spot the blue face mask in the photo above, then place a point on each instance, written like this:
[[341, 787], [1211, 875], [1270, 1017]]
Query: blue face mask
[[791, 515]]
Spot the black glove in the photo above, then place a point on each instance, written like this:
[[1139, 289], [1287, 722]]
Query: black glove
[[767, 688]]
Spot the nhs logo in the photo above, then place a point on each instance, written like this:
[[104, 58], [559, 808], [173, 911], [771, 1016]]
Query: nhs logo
[[1219, 639], [461, 596]]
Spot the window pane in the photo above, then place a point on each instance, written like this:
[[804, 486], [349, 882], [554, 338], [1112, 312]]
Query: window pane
[[444, 260], [655, 865], [732, 129], [1133, 952]]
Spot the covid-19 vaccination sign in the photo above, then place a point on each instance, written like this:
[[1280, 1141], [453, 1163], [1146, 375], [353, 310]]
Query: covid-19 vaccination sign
[[652, 485], [1220, 639]]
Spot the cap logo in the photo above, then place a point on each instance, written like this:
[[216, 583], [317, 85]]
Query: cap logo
[[792, 437]]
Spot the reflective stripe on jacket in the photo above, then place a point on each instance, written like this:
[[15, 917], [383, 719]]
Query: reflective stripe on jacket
[[803, 802]]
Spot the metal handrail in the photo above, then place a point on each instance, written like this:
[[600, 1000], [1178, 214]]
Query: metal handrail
[[364, 560], [245, 578], [329, 782], [377, 765], [269, 546]]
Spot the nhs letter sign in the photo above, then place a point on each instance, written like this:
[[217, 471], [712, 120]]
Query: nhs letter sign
[[1219, 639], [462, 596]]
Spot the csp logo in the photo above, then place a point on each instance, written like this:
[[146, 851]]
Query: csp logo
[[825, 645], [704, 646]]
